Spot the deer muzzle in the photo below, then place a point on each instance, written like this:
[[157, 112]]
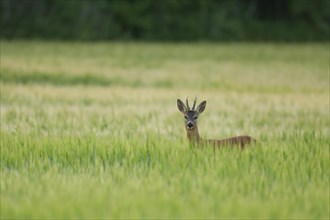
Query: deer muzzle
[[190, 125]]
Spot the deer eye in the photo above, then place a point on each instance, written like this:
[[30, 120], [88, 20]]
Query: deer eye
[[185, 117], [195, 117]]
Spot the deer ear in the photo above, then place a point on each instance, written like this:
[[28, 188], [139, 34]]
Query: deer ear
[[182, 108], [201, 107]]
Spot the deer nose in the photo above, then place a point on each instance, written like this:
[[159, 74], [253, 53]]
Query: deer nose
[[190, 125]]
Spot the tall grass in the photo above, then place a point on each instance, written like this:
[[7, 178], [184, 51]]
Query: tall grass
[[93, 131]]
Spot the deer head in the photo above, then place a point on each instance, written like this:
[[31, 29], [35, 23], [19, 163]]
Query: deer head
[[191, 114]]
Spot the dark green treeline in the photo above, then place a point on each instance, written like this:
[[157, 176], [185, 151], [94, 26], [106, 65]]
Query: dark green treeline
[[166, 20]]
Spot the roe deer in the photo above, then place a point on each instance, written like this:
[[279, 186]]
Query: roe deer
[[191, 116]]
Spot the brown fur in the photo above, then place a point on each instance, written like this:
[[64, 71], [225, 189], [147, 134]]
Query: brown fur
[[238, 141]]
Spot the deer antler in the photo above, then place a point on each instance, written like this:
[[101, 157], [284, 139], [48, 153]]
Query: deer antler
[[195, 100], [187, 103]]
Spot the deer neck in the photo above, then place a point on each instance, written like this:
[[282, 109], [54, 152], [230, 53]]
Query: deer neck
[[193, 135]]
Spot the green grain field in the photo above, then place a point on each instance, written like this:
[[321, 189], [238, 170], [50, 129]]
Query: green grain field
[[92, 130]]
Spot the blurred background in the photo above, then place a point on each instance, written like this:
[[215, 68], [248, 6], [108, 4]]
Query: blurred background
[[89, 121], [168, 20]]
